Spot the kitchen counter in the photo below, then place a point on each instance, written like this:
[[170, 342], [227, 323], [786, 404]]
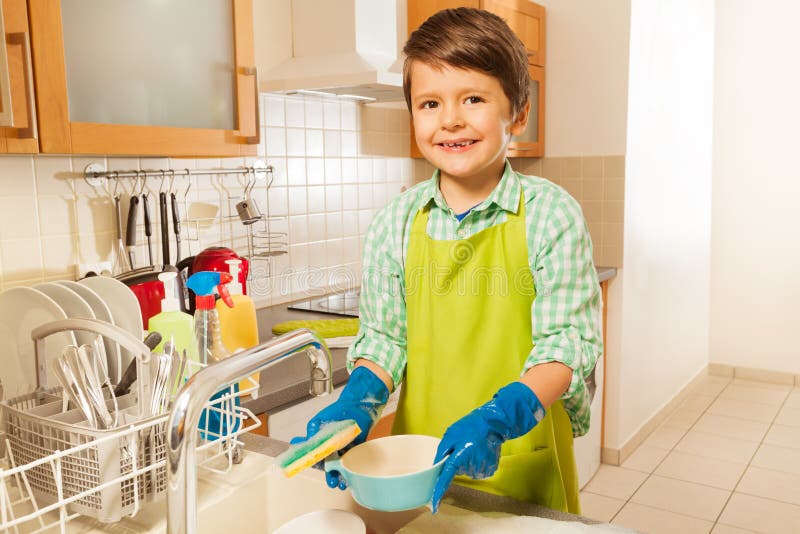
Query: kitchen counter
[[462, 497], [286, 383]]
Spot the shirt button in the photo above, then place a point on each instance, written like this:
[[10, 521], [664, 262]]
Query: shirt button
[[462, 233]]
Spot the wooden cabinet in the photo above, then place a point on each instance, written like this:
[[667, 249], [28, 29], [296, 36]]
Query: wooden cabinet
[[17, 110], [59, 27], [527, 20]]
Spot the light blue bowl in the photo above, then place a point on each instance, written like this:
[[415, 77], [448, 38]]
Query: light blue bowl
[[390, 474]]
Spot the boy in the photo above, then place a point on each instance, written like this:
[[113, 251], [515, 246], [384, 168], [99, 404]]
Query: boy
[[475, 277]]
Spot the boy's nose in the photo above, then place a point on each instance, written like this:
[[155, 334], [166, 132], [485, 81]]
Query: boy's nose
[[451, 118]]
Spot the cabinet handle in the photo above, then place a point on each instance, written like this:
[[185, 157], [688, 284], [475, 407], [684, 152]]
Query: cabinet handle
[[255, 139], [23, 39], [6, 109]]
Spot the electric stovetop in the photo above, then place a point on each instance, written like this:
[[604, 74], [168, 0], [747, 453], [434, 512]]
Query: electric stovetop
[[345, 303]]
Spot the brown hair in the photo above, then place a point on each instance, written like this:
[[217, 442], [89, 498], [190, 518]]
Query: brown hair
[[475, 39]]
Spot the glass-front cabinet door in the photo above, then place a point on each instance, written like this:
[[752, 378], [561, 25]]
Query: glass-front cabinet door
[[531, 143], [148, 77], [18, 133]]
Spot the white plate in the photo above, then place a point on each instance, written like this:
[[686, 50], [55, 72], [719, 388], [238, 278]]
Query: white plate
[[21, 310], [125, 311], [72, 304], [324, 522], [101, 312]]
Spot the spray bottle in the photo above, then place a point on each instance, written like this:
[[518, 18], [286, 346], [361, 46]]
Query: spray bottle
[[238, 324], [211, 349]]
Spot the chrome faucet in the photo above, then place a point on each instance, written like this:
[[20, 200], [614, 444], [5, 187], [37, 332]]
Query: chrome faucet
[[191, 400]]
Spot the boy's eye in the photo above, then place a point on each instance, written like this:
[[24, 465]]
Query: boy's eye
[[473, 100], [429, 104]]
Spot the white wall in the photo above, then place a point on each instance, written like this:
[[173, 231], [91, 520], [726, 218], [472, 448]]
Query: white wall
[[586, 77], [660, 315], [756, 220]]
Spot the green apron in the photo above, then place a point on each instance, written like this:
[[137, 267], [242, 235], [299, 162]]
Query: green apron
[[469, 334]]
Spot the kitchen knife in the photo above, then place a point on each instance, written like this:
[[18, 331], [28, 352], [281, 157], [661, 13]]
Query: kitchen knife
[[148, 228], [162, 207], [122, 258], [176, 226], [129, 376], [130, 231]]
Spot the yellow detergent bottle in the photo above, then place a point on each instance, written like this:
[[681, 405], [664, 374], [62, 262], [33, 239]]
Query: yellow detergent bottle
[[238, 324], [175, 326]]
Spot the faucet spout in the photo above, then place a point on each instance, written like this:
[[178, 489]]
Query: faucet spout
[[184, 417]]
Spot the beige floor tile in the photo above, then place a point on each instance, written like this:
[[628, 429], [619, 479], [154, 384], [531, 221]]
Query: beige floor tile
[[726, 529], [698, 401], [783, 436], [758, 392], [761, 515], [719, 447], [731, 427], [686, 498], [655, 521], [684, 417], [763, 413], [645, 458], [616, 482], [788, 416], [599, 507], [712, 385], [778, 459], [701, 470], [665, 437], [771, 484], [793, 400]]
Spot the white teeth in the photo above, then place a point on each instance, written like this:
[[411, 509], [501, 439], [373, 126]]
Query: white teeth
[[462, 143]]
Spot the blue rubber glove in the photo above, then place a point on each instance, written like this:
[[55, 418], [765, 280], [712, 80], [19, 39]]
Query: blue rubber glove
[[473, 442], [362, 399]]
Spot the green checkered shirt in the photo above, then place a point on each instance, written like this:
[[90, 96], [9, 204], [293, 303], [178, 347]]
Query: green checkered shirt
[[565, 313]]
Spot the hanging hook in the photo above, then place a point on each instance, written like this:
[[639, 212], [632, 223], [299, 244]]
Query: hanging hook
[[188, 184], [171, 179], [144, 181], [163, 179], [116, 182]]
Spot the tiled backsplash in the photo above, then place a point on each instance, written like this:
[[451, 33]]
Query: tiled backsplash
[[336, 163]]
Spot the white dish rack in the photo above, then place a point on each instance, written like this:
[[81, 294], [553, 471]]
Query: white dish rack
[[57, 467]]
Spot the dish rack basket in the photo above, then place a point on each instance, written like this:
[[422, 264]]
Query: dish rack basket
[[58, 467]]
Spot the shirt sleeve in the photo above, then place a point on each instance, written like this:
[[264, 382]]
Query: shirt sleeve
[[565, 314], [382, 308]]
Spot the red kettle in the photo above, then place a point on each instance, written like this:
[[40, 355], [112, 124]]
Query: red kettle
[[213, 259]]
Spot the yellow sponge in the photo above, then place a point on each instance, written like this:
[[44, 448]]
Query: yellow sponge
[[329, 439]]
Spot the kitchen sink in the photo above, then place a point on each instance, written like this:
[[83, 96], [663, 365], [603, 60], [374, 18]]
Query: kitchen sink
[[253, 496]]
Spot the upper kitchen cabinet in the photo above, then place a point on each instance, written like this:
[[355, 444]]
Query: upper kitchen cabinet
[[173, 78], [527, 20], [17, 110]]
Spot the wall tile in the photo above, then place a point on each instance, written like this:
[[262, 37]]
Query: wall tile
[[315, 171], [314, 143], [316, 199], [314, 113], [551, 169], [18, 217], [274, 111], [22, 259], [333, 143], [295, 142], [614, 189], [572, 168], [295, 113], [333, 171], [592, 167], [331, 117], [298, 203], [17, 173], [53, 174], [57, 215], [614, 167], [333, 198], [296, 171], [349, 118]]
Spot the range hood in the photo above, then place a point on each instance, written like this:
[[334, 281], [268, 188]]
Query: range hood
[[344, 47]]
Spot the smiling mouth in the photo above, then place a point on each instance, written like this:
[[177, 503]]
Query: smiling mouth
[[458, 144]]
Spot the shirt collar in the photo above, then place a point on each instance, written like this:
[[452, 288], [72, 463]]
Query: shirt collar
[[504, 196]]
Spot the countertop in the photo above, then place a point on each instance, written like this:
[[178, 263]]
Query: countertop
[[286, 383], [462, 497]]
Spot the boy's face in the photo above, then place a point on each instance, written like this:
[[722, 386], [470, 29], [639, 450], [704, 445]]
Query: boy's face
[[462, 121]]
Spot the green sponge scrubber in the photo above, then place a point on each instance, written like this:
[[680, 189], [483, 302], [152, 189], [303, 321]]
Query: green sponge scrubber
[[329, 439], [325, 328]]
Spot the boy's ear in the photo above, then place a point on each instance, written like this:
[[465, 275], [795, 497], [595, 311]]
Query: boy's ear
[[521, 120]]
